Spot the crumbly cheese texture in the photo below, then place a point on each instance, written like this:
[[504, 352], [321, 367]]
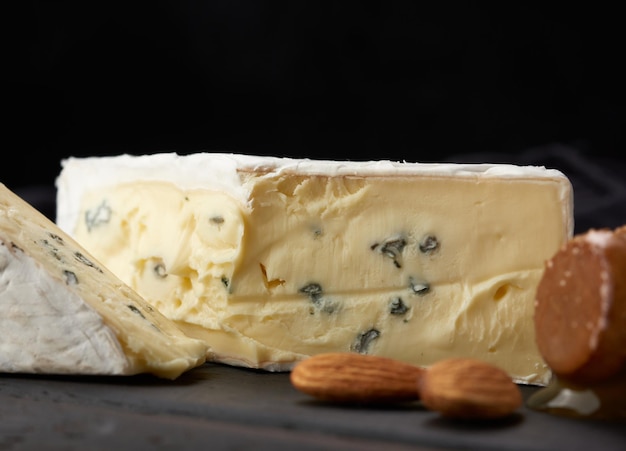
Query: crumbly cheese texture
[[271, 260], [62, 312]]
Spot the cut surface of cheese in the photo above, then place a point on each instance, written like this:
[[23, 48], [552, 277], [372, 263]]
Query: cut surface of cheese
[[62, 312], [270, 260]]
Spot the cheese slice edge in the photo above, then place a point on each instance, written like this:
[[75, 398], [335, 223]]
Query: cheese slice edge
[[63, 312]]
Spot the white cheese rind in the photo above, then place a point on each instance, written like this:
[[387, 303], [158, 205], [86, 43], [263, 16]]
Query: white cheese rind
[[36, 314], [271, 260], [62, 312], [220, 172]]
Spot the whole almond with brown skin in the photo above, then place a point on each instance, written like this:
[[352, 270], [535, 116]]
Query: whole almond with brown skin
[[469, 389], [346, 377]]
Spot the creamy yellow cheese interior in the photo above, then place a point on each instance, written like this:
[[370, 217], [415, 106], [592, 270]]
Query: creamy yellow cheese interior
[[417, 268]]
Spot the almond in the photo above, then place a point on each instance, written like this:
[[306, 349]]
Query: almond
[[468, 389], [348, 377]]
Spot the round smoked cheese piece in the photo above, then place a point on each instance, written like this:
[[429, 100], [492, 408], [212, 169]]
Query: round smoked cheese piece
[[580, 307]]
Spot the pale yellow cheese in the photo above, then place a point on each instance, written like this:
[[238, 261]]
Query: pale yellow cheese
[[63, 312], [415, 263]]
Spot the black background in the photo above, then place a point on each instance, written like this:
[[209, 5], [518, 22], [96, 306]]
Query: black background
[[346, 80]]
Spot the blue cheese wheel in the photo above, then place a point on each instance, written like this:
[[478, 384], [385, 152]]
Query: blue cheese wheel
[[271, 260]]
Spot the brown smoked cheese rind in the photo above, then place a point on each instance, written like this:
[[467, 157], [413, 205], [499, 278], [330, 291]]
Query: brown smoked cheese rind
[[580, 307]]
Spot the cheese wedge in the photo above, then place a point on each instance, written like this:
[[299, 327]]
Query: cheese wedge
[[271, 260], [62, 312]]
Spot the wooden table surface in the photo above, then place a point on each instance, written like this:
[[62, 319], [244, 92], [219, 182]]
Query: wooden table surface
[[217, 407]]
